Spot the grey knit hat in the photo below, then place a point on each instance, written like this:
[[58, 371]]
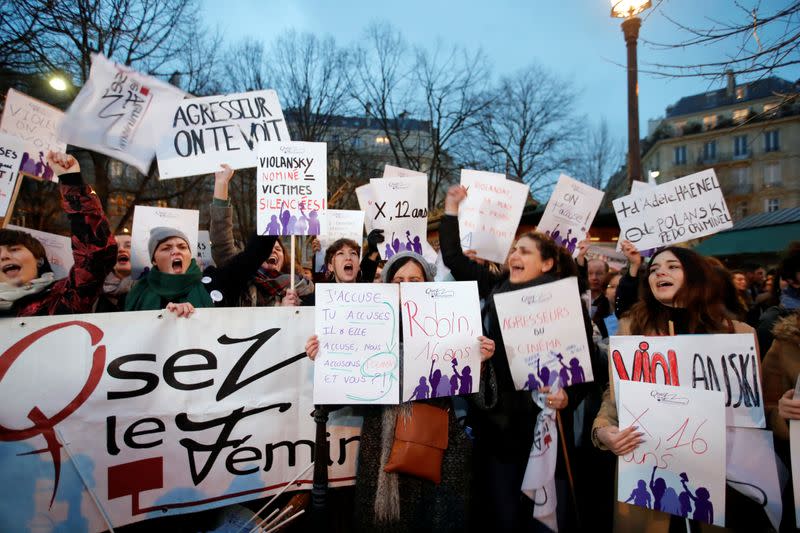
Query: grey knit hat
[[161, 234], [428, 269]]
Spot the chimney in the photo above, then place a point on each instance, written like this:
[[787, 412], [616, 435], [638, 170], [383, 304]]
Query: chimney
[[730, 91]]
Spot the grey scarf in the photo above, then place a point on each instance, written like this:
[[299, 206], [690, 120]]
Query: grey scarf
[[10, 293]]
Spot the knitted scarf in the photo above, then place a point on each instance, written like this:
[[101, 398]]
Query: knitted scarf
[[10, 293], [273, 284], [149, 292]]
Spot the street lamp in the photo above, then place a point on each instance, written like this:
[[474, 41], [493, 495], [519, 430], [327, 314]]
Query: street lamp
[[628, 9], [58, 83]]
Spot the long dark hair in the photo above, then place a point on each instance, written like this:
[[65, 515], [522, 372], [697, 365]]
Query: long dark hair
[[563, 264], [700, 296]]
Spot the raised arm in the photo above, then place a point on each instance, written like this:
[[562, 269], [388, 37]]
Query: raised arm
[[220, 230]]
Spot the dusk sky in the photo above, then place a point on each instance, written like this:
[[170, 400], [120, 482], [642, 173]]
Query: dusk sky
[[577, 39]]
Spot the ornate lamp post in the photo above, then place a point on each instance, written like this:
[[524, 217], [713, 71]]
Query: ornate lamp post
[[628, 9]]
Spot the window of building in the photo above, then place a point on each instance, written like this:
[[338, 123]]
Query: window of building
[[740, 175], [680, 155], [381, 139], [740, 146], [772, 174], [772, 106], [741, 211], [772, 205], [710, 151], [741, 92], [739, 115], [709, 122], [771, 141]]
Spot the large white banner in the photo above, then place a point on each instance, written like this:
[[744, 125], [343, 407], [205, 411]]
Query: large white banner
[[543, 333], [570, 212], [676, 211], [727, 363], [400, 209], [680, 467], [145, 218], [359, 343], [120, 113], [36, 124], [206, 132], [441, 352], [11, 150], [291, 188], [58, 249], [489, 216], [158, 415]]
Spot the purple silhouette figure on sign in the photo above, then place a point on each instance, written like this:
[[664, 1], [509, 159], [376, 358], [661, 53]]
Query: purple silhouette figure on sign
[[670, 503], [639, 495], [703, 508], [544, 375], [417, 245], [389, 252], [453, 385], [301, 226], [685, 503], [290, 227], [421, 392], [396, 245], [576, 370], [657, 487], [40, 165], [434, 376], [273, 228], [443, 389], [313, 223], [465, 378], [285, 217], [531, 384]]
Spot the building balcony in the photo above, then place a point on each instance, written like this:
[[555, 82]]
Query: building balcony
[[737, 189]]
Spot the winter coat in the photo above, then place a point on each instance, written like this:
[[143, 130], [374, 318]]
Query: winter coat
[[780, 370]]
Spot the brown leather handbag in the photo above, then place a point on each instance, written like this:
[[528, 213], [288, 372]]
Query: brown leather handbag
[[419, 443]]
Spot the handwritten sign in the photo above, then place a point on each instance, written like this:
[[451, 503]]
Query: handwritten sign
[[676, 211], [292, 188], [441, 351], [543, 333], [11, 150], [120, 113], [570, 212], [339, 224], [400, 209], [227, 128], [36, 124], [203, 255], [366, 198], [489, 215], [160, 416], [146, 218], [726, 363], [680, 467], [390, 171], [57, 248], [359, 345]]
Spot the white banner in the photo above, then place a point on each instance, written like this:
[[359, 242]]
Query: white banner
[[359, 344], [680, 467], [339, 224], [160, 416], [400, 209], [120, 113], [206, 132], [570, 212], [727, 363], [489, 216], [441, 352], [11, 150], [543, 333], [676, 211], [145, 218], [58, 249], [291, 188], [36, 124]]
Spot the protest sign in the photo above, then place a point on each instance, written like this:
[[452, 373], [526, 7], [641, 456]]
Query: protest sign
[[57, 248], [680, 467], [206, 132], [570, 212], [400, 208], [338, 224], [794, 451], [676, 211], [488, 217], [390, 171], [752, 469], [160, 416], [145, 218], [727, 363], [543, 334], [203, 254], [441, 352], [359, 347], [11, 150], [291, 188], [366, 198], [120, 113], [35, 123]]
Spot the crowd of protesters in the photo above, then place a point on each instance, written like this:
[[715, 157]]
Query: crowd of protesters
[[674, 291]]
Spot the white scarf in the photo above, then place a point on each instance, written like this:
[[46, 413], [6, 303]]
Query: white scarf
[[539, 482], [10, 292]]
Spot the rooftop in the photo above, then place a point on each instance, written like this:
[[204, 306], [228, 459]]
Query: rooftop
[[755, 90]]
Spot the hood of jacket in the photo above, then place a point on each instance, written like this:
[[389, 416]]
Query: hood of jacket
[[788, 328]]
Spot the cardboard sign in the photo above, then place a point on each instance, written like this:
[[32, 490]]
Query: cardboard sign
[[441, 352], [206, 132], [36, 124], [57, 248], [11, 150], [400, 209], [366, 198], [390, 171], [203, 254], [727, 363], [160, 416], [359, 346], [570, 212], [146, 218], [120, 113], [680, 467], [489, 216], [292, 188], [543, 334], [676, 211], [338, 224]]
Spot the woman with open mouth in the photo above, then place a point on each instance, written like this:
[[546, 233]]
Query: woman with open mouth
[[27, 284], [118, 282], [502, 418]]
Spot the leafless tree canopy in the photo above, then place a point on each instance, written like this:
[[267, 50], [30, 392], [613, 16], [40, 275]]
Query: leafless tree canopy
[[597, 154]]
